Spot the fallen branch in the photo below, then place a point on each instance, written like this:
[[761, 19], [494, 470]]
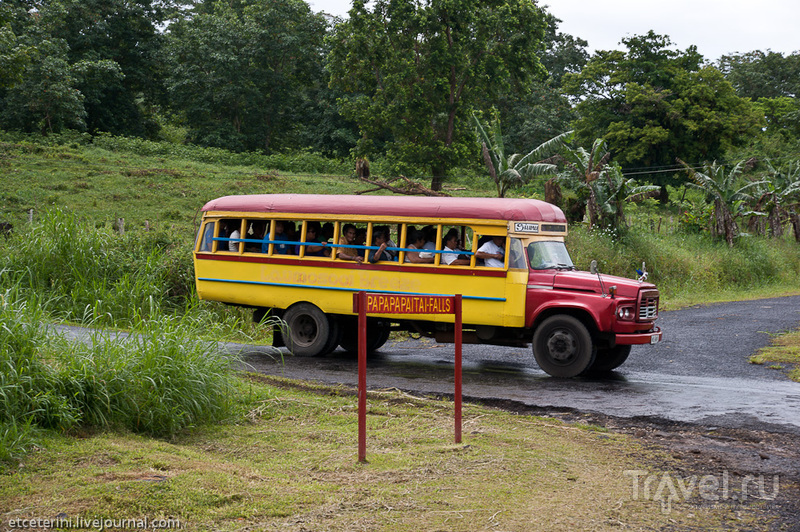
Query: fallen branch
[[406, 187]]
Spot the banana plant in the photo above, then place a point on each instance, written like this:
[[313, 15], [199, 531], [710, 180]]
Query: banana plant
[[508, 171], [780, 194], [725, 191], [582, 170]]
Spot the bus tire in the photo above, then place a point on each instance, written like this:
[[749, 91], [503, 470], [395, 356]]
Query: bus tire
[[335, 336], [307, 331], [562, 346], [610, 358], [377, 334]]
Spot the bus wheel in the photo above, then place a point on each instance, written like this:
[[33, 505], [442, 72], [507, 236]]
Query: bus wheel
[[335, 336], [307, 330], [610, 358], [377, 334], [563, 346]]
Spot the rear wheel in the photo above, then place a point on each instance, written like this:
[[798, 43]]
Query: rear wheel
[[610, 358], [308, 331], [563, 346], [377, 334]]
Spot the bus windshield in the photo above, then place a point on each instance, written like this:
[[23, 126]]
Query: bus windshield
[[549, 255]]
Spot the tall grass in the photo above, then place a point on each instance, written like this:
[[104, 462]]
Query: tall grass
[[682, 264], [27, 385], [158, 379], [89, 274]]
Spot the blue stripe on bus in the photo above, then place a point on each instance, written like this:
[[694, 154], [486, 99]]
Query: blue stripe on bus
[[285, 285]]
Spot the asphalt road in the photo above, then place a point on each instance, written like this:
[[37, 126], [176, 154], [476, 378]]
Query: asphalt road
[[698, 374]]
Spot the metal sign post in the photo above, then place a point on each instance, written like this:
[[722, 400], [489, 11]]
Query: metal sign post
[[364, 304]]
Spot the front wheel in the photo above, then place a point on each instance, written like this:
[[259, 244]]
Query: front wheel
[[610, 358], [562, 346], [307, 331]]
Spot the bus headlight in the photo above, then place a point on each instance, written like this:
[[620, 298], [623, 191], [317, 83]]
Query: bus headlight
[[626, 313]]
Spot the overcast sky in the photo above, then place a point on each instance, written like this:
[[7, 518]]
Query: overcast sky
[[716, 27]]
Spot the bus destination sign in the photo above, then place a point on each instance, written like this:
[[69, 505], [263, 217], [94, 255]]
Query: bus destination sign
[[526, 227], [407, 304]]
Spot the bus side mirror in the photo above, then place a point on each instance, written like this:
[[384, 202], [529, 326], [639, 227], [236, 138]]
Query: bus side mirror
[[593, 267]]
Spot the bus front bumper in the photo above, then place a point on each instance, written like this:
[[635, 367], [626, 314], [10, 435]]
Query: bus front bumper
[[651, 337]]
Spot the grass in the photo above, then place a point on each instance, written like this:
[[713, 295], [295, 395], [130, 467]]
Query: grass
[[691, 268], [157, 380], [290, 464], [783, 354]]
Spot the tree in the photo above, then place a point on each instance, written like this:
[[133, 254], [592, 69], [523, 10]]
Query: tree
[[14, 57], [758, 74], [652, 103], [415, 70], [508, 171], [240, 75], [537, 111], [726, 192], [46, 99], [119, 99]]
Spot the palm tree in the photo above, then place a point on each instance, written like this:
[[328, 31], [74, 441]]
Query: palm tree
[[582, 169], [516, 169], [781, 192], [724, 191]]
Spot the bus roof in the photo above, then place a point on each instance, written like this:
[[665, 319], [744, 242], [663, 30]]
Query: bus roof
[[407, 206]]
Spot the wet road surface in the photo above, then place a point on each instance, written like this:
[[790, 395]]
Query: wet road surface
[[698, 374]]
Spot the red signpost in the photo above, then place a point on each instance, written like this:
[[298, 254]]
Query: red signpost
[[364, 304]]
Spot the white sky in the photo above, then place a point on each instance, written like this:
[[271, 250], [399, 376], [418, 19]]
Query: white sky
[[716, 27]]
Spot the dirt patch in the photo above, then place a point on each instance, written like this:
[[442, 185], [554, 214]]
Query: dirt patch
[[715, 465]]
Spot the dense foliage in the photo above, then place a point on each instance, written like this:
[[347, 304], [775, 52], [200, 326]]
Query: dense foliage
[[397, 81]]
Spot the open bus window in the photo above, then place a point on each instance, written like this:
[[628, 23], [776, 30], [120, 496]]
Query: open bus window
[[256, 229], [313, 244], [549, 255], [229, 237], [208, 237]]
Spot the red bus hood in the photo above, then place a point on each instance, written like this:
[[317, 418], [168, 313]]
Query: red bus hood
[[587, 282]]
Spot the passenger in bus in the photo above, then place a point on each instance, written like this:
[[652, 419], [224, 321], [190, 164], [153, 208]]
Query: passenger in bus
[[493, 252], [256, 232], [327, 232], [389, 242], [429, 232], [416, 240], [361, 240], [380, 239], [233, 244], [291, 234], [278, 249], [312, 230], [450, 246], [348, 238]]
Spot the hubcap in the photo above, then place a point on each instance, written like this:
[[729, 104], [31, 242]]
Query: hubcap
[[305, 330], [562, 345]]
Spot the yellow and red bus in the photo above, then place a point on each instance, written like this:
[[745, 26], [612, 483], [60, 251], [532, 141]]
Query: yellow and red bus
[[265, 252]]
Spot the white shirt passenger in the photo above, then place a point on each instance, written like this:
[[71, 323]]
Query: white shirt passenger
[[234, 246], [448, 258], [492, 248]]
